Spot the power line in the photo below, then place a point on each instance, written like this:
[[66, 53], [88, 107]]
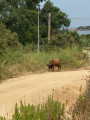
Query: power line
[[81, 18]]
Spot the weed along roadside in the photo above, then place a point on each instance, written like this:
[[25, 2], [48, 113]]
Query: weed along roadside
[[52, 109], [81, 109], [87, 51], [18, 63]]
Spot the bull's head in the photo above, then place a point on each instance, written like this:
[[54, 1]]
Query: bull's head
[[49, 66]]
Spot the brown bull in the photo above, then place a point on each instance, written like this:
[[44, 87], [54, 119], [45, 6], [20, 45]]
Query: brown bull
[[53, 63]]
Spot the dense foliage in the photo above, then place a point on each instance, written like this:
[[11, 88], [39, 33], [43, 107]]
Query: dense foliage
[[59, 19], [81, 109], [7, 39], [51, 110], [65, 39], [25, 60], [85, 40], [21, 17]]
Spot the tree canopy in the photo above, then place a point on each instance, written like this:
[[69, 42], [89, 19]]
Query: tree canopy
[[20, 16], [7, 39], [59, 19]]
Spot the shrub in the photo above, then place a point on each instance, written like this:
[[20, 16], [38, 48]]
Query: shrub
[[24, 60], [7, 39], [81, 109], [51, 110], [2, 118], [85, 40], [63, 39]]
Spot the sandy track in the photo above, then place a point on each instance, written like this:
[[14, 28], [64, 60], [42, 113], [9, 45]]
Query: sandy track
[[35, 88]]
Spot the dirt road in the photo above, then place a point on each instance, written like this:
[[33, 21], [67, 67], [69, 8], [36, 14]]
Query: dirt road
[[35, 88]]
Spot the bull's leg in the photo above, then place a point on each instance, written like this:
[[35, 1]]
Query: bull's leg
[[60, 67], [52, 68]]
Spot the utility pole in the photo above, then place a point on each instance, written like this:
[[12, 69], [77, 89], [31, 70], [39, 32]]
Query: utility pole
[[38, 31], [38, 46], [49, 26]]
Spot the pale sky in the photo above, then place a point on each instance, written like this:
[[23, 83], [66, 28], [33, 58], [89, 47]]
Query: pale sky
[[75, 9]]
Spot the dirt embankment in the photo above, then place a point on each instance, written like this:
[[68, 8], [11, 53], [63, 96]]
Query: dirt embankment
[[35, 88]]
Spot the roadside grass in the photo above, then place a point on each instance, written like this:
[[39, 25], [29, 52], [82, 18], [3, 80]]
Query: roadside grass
[[24, 61], [81, 110], [50, 110]]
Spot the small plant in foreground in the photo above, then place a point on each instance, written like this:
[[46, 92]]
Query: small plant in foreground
[[81, 109], [51, 110], [2, 118]]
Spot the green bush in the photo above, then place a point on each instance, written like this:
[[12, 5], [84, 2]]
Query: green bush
[[81, 110], [7, 39], [2, 118], [63, 39], [85, 40], [51, 110], [24, 60]]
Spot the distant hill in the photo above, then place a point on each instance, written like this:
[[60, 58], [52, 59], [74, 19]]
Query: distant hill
[[72, 29], [83, 28]]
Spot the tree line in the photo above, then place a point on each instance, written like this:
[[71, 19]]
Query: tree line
[[21, 16], [19, 21]]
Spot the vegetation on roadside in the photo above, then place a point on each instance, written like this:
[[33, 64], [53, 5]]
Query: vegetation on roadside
[[81, 110], [50, 110], [24, 60], [85, 40]]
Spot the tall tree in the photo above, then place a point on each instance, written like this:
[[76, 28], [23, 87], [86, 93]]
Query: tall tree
[[59, 19], [20, 16], [7, 39]]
